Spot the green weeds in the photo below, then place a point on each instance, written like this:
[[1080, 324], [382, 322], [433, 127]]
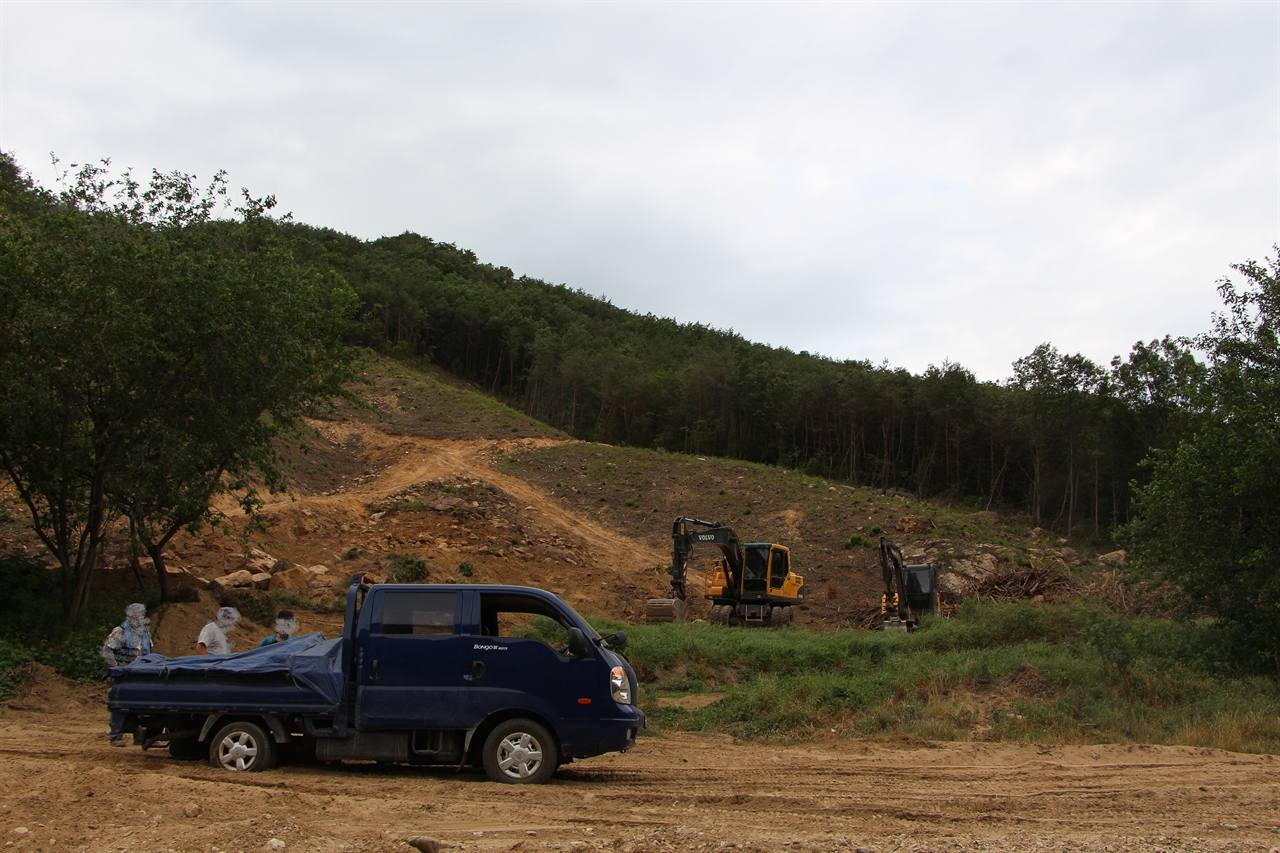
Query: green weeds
[[32, 629], [407, 568], [1059, 674]]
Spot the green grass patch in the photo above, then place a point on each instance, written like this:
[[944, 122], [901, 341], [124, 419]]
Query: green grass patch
[[1057, 674], [407, 568]]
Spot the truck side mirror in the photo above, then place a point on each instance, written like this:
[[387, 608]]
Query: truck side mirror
[[579, 645], [617, 639]]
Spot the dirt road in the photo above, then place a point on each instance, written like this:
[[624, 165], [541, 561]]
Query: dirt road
[[63, 785]]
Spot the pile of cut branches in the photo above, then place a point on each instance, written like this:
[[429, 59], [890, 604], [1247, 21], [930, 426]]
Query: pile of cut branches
[[867, 618], [1027, 583]]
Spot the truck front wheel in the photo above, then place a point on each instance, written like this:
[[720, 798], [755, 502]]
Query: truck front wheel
[[520, 752], [242, 747]]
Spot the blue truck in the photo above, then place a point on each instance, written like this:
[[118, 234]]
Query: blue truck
[[507, 678]]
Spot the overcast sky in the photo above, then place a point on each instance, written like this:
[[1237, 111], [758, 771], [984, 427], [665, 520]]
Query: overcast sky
[[883, 181]]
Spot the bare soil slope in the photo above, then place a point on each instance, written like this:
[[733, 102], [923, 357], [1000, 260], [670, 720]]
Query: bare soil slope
[[480, 492], [444, 501], [63, 785]]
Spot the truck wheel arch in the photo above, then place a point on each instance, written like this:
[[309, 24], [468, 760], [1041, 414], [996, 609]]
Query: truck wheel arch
[[272, 722], [475, 750]]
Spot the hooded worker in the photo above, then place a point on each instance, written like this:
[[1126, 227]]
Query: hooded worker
[[127, 642], [213, 637], [286, 627]]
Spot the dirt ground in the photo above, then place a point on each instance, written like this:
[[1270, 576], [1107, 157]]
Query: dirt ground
[[62, 787]]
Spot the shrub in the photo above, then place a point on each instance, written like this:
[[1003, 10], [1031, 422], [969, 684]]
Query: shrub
[[32, 627], [408, 568], [254, 605]]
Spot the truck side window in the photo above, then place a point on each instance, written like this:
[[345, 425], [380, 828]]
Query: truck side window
[[418, 613], [513, 615]]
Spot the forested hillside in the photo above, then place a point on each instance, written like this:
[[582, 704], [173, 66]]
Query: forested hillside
[[1062, 439]]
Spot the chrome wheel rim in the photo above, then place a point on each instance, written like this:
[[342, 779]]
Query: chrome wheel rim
[[519, 755], [237, 751]]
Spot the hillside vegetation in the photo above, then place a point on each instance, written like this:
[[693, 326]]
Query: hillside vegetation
[[1061, 440]]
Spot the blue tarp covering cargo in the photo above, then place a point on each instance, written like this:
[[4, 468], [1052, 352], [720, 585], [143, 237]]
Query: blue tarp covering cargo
[[310, 661]]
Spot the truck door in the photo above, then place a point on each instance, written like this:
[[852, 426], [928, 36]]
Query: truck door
[[410, 664], [519, 661]]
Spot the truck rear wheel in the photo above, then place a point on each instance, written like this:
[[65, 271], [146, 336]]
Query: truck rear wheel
[[242, 747], [520, 752]]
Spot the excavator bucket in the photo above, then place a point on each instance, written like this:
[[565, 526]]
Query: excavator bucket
[[665, 610]]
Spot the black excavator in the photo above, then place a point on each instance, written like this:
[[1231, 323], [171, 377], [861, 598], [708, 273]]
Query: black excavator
[[909, 591], [752, 585]]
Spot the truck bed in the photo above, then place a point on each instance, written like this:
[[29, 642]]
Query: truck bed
[[299, 676]]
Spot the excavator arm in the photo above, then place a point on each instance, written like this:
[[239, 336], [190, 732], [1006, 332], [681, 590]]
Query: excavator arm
[[687, 532], [893, 604], [909, 591]]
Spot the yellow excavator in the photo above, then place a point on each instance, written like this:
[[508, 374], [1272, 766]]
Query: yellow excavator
[[753, 583]]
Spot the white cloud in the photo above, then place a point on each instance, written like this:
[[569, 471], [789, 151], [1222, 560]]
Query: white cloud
[[904, 181]]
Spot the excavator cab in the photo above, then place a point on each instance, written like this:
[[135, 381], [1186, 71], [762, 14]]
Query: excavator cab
[[765, 567], [755, 568]]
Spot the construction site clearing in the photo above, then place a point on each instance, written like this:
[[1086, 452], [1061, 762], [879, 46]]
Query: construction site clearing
[[549, 512]]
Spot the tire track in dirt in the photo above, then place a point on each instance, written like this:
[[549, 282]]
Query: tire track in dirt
[[406, 460], [676, 791]]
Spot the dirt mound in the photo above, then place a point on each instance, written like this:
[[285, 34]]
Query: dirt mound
[[43, 691], [441, 501], [176, 627]]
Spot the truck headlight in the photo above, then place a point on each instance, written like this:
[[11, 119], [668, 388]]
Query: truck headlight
[[619, 686]]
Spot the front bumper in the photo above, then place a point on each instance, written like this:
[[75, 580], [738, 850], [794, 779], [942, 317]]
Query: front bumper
[[617, 733]]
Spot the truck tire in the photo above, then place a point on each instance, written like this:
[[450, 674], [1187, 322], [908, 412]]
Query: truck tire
[[242, 747], [520, 752], [780, 616]]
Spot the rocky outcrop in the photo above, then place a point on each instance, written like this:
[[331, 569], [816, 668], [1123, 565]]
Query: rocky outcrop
[[914, 524], [241, 579], [299, 578]]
